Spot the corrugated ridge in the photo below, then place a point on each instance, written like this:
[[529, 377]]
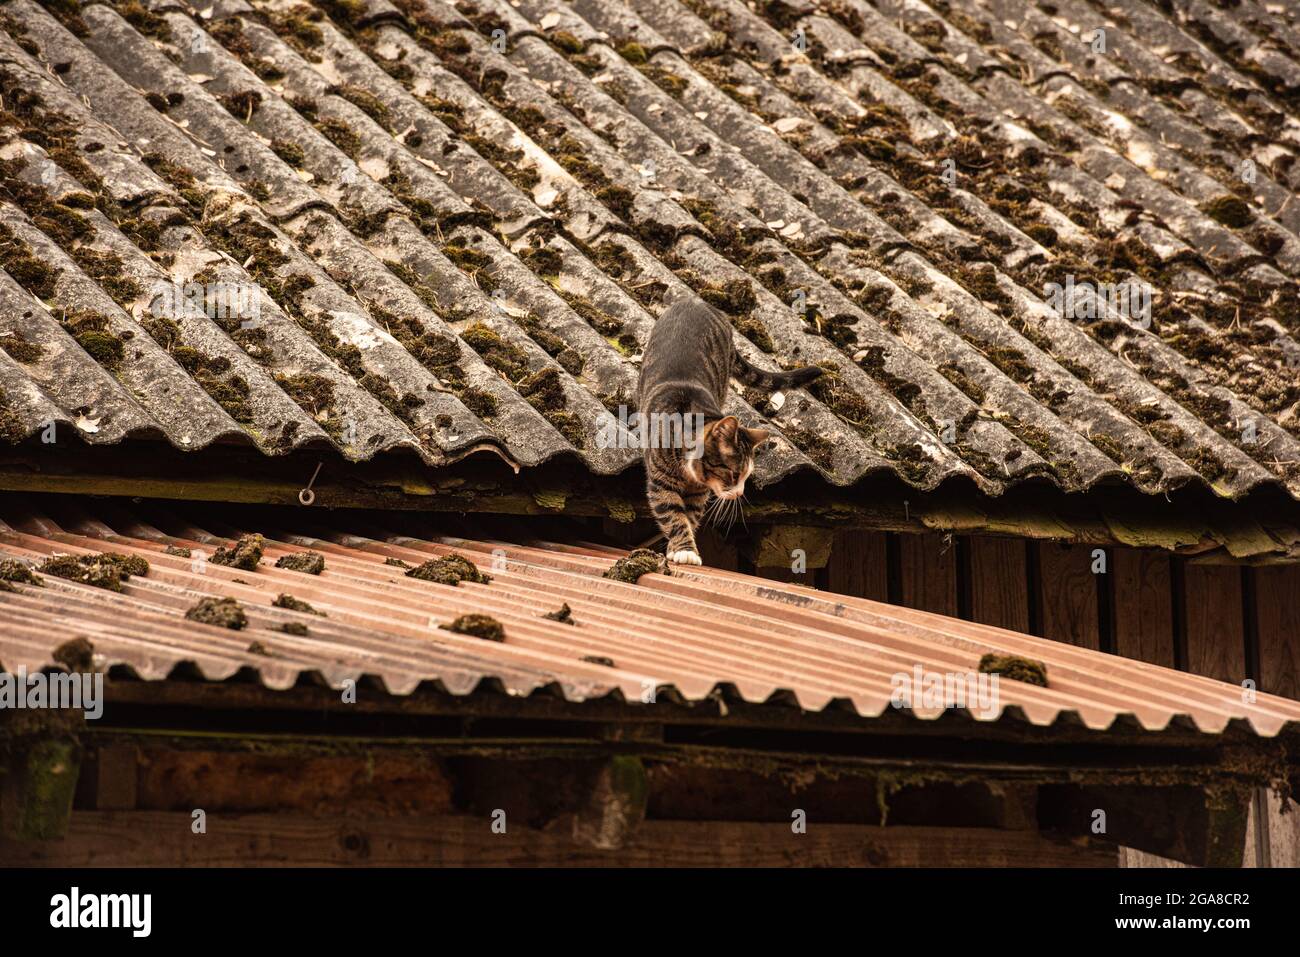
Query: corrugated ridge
[[693, 632]]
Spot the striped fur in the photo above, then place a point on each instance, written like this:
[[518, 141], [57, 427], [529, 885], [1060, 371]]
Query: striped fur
[[689, 361]]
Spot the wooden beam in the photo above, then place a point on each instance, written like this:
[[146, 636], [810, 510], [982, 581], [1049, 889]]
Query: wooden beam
[[1283, 831], [37, 788], [928, 573], [1067, 594], [115, 774], [859, 565], [782, 546], [614, 805], [999, 591], [312, 709], [1216, 641], [1277, 610], [1143, 614], [716, 551], [1199, 826], [157, 839]]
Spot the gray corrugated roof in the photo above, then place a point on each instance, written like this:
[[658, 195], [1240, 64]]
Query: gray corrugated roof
[[461, 242]]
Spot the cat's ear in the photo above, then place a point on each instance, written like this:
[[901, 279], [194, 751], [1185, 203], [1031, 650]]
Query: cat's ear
[[726, 428], [757, 436]]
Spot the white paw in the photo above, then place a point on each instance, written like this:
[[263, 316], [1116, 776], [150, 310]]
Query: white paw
[[684, 558]]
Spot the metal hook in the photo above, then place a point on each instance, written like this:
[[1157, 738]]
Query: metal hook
[[307, 496]]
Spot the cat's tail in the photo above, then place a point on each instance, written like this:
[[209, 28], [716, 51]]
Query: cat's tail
[[771, 381]]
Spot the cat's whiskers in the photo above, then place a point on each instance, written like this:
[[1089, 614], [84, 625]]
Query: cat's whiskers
[[733, 509], [716, 511]]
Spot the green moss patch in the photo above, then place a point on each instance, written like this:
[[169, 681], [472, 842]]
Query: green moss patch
[[246, 553], [641, 561], [223, 612], [813, 445], [563, 613], [289, 151], [451, 570], [107, 570], [366, 101], [21, 349], [1230, 211], [295, 604], [734, 297], [76, 654], [1015, 668], [467, 258], [508, 359], [28, 271], [311, 563], [480, 626], [12, 570]]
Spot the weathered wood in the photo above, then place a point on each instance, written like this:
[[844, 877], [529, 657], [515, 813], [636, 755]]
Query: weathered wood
[[1283, 831], [1277, 611], [716, 551], [1067, 594], [999, 593], [131, 839], [37, 789], [1215, 626], [375, 781], [1193, 825], [833, 730], [1257, 851], [859, 565], [1132, 857], [615, 804], [928, 566], [787, 545], [1143, 615], [116, 773]]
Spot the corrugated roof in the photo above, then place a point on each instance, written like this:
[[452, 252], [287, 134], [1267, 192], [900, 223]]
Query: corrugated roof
[[684, 636], [462, 221]]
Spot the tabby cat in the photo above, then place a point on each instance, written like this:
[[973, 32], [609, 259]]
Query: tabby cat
[[688, 364]]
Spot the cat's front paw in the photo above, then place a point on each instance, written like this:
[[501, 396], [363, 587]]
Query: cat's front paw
[[685, 558]]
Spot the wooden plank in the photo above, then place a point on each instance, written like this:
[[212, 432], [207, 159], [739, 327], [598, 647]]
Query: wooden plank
[[1132, 857], [1216, 643], [1067, 594], [1283, 832], [38, 787], [928, 573], [1196, 825], [1277, 611], [858, 565], [716, 551], [1143, 613], [116, 777], [999, 589], [380, 782], [133, 839]]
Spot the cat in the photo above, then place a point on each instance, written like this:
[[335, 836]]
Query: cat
[[685, 373]]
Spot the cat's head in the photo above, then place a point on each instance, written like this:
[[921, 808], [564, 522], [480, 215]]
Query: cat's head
[[727, 456]]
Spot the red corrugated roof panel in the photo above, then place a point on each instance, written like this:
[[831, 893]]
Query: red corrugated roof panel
[[694, 630]]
